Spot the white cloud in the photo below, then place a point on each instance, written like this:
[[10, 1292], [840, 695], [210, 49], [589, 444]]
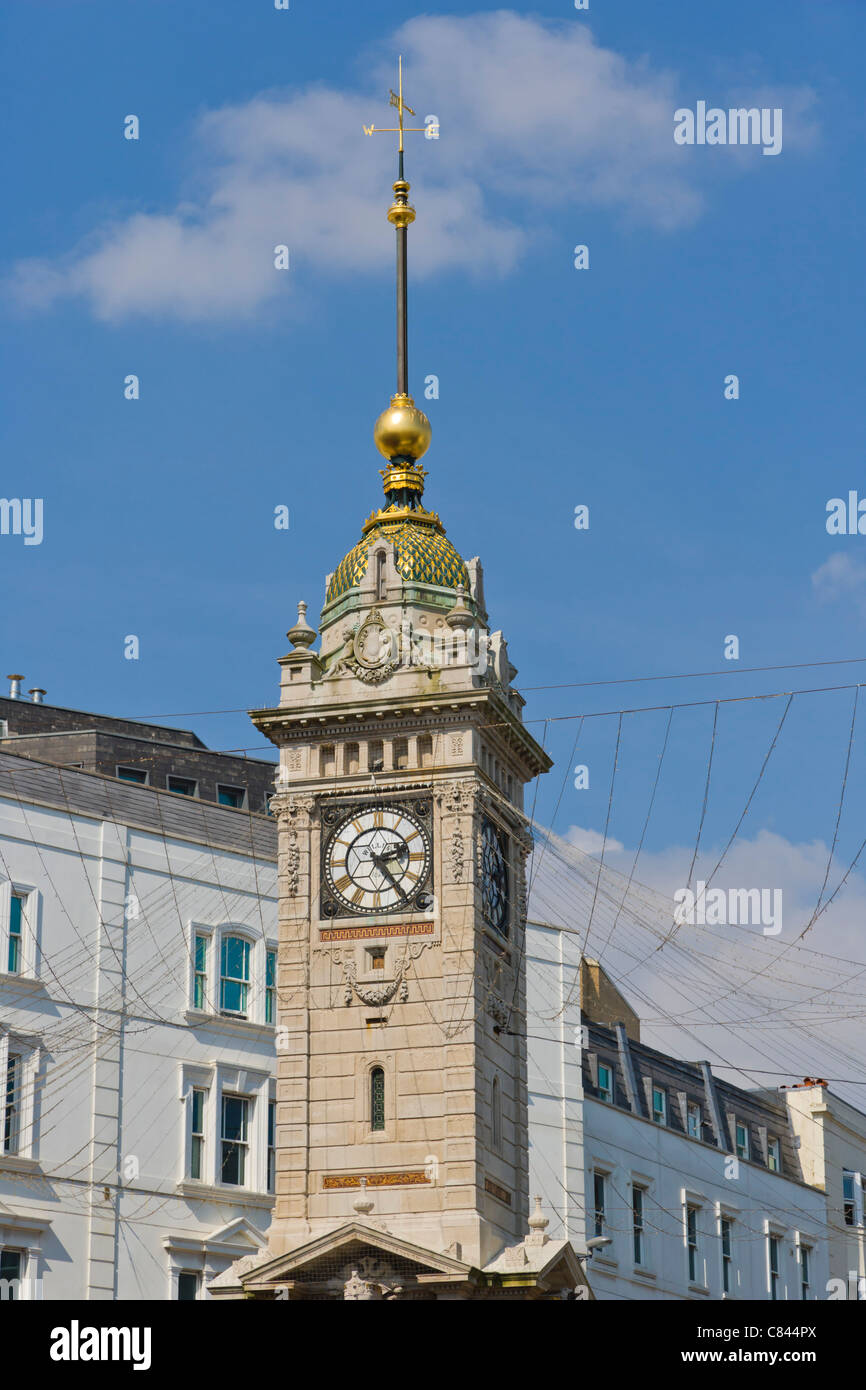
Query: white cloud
[[841, 577], [592, 841], [533, 114]]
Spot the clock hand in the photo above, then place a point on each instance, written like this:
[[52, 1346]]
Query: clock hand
[[379, 861]]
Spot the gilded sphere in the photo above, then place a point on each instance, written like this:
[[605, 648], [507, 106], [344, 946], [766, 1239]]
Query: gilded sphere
[[402, 431]]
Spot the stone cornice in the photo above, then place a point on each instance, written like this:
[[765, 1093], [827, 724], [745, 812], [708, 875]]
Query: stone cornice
[[484, 707]]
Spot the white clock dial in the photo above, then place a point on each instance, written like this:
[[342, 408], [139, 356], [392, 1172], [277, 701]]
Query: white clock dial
[[377, 860]]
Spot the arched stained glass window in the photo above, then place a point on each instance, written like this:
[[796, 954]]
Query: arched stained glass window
[[377, 1098], [496, 1115]]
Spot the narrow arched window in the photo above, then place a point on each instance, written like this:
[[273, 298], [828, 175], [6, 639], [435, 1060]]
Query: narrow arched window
[[381, 561], [496, 1114], [377, 1098]]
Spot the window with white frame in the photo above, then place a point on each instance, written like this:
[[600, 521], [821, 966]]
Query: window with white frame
[[229, 1128], [774, 1155], [19, 1070], [12, 1104], [599, 1192], [15, 954], [638, 1197], [233, 973], [693, 1243], [270, 986], [197, 1133], [693, 1117], [726, 1230], [272, 1146], [11, 1273], [743, 1147], [660, 1105], [853, 1207], [18, 918], [200, 984], [188, 1285], [605, 1083], [773, 1258], [234, 1140]]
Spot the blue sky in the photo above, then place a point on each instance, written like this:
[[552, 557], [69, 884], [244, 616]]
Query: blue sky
[[558, 387]]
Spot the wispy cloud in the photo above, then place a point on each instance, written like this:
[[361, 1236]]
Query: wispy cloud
[[841, 578], [533, 114]]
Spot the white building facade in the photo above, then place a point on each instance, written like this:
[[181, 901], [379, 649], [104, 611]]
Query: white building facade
[[690, 1188], [137, 1036]]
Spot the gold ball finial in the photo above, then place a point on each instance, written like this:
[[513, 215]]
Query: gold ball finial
[[402, 431]]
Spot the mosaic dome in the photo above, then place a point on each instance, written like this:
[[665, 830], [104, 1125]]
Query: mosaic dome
[[424, 555]]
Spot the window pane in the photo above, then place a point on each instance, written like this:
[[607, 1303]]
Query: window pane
[[182, 786], [230, 796], [235, 1115], [187, 1286], [132, 774], [234, 1118], [235, 974], [10, 1272], [11, 1105], [272, 1143], [598, 1195], [16, 922], [270, 985]]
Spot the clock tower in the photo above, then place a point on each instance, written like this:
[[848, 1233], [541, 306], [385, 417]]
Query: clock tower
[[401, 1119]]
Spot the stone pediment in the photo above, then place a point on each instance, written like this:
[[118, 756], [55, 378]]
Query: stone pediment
[[362, 1262], [354, 1262]]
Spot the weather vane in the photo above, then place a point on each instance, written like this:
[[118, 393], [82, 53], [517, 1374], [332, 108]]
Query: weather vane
[[396, 99], [401, 216]]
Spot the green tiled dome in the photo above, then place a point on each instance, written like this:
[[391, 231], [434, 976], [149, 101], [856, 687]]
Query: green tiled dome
[[424, 555]]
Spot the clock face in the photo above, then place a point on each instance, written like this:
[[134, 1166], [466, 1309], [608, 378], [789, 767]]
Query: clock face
[[378, 860], [494, 877]]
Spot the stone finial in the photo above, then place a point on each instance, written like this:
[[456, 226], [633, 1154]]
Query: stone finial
[[538, 1224], [460, 618], [363, 1204], [301, 635]]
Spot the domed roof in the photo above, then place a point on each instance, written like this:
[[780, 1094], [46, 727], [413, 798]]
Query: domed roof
[[424, 555]]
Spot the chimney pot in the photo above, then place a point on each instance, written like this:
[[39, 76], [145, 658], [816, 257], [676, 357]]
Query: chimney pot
[[37, 695], [15, 687]]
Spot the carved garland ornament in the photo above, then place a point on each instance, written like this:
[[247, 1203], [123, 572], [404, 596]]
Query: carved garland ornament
[[293, 812], [457, 799]]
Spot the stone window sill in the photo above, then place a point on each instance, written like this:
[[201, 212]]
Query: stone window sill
[[15, 1163], [197, 1018], [225, 1192], [28, 983]]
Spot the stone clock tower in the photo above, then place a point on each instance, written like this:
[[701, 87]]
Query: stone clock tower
[[401, 1130]]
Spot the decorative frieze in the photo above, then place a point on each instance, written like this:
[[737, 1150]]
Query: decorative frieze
[[342, 1181]]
